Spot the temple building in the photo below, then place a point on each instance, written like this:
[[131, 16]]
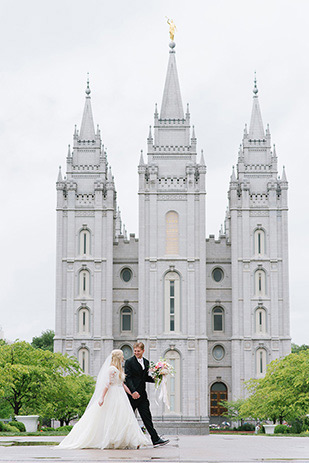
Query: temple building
[[217, 309]]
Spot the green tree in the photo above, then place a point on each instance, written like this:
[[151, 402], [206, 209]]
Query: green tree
[[233, 409], [5, 409], [27, 374], [69, 398], [284, 391], [296, 348], [45, 341]]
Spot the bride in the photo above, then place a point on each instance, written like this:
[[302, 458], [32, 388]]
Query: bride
[[109, 421]]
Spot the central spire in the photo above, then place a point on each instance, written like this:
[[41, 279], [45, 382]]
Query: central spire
[[171, 107], [256, 130], [87, 131]]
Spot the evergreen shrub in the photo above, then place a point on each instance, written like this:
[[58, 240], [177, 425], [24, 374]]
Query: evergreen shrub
[[10, 428], [246, 427], [18, 425], [64, 428], [281, 429]]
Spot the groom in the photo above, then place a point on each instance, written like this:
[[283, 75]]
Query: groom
[[136, 369]]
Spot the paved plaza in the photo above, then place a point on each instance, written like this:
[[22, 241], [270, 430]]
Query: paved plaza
[[213, 448]]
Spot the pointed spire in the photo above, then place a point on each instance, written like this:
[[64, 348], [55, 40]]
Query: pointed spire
[[193, 132], [256, 130], [69, 151], [87, 131], [267, 130], [171, 107], [283, 177], [141, 159], [125, 234], [202, 160], [109, 175], [150, 134], [233, 176], [59, 179]]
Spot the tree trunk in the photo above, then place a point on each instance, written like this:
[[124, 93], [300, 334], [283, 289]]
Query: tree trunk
[[61, 422], [67, 422], [17, 407]]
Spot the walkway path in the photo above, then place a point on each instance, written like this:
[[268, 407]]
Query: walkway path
[[184, 449]]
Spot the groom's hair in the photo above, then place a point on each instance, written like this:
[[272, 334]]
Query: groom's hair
[[139, 344]]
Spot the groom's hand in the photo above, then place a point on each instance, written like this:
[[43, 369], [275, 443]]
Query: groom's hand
[[135, 395]]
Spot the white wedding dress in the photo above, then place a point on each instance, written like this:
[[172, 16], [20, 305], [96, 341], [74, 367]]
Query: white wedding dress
[[111, 426]]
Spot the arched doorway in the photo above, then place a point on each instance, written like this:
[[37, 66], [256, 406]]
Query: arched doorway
[[218, 392]]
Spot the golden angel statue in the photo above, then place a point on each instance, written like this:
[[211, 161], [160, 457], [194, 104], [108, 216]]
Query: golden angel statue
[[173, 28]]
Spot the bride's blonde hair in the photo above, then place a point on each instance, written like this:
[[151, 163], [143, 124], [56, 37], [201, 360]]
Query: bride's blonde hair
[[117, 358]]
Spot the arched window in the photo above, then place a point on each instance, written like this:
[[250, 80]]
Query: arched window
[[260, 321], [218, 392], [259, 242], [83, 359], [127, 351], [126, 319], [218, 319], [260, 283], [84, 242], [171, 233], [84, 283], [173, 382], [260, 362], [172, 302], [83, 321]]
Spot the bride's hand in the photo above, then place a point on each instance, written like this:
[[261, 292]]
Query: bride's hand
[[101, 402]]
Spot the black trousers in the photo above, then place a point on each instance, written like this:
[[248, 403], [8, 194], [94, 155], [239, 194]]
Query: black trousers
[[142, 405]]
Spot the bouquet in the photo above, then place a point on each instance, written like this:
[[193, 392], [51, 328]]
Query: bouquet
[[159, 372]]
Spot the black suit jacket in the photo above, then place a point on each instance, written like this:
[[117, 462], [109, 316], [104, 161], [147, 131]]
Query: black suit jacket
[[136, 377]]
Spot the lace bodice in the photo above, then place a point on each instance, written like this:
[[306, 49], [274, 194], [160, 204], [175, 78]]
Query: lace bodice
[[114, 379]]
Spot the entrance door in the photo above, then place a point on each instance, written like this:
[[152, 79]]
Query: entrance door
[[218, 392]]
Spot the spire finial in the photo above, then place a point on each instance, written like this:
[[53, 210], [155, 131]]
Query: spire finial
[[233, 176], [59, 179], [173, 28], [255, 89], [88, 91], [150, 134], [283, 176]]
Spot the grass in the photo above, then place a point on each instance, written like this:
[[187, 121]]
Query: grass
[[252, 433]]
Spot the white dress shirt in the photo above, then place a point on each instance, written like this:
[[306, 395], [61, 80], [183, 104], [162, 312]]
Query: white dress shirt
[[141, 362]]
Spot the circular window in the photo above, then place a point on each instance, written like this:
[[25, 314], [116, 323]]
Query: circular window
[[127, 351], [217, 274], [218, 352], [126, 275]]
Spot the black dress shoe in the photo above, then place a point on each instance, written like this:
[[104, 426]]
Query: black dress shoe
[[160, 442]]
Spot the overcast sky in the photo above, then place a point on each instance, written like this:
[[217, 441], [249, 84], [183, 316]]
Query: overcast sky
[[47, 48]]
